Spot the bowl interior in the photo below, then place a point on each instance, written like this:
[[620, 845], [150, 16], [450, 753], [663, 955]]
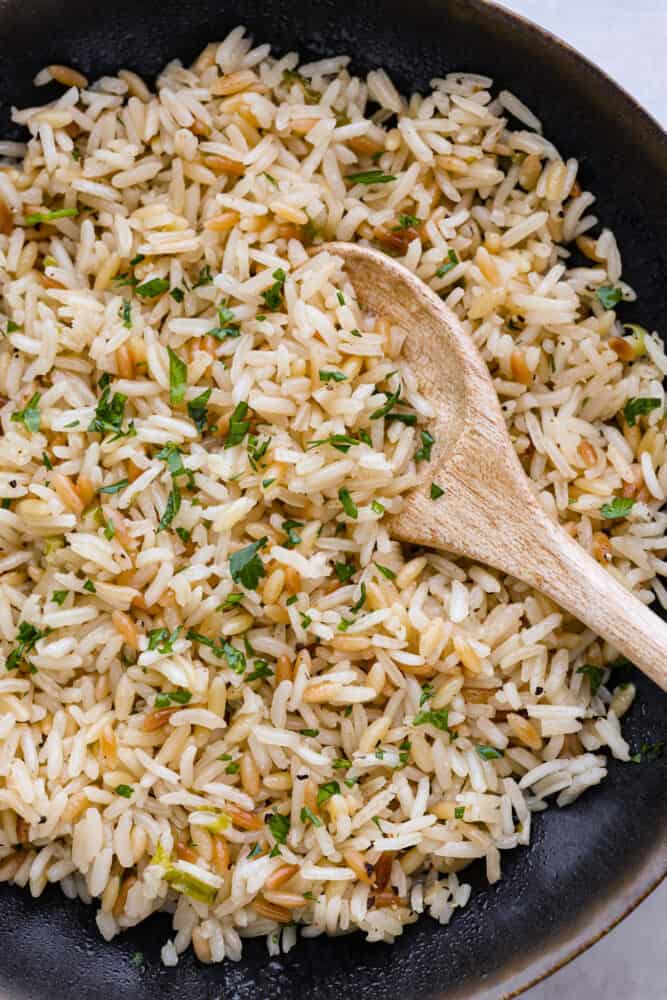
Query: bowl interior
[[587, 863]]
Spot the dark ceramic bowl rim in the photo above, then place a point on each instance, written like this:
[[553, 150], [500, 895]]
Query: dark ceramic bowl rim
[[610, 912]]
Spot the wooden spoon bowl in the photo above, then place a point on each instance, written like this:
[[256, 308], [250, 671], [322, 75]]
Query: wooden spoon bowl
[[488, 510]]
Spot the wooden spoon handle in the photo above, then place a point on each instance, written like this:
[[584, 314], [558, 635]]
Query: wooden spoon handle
[[562, 570]]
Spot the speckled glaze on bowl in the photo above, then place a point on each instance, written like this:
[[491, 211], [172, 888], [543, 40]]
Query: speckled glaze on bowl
[[589, 864]]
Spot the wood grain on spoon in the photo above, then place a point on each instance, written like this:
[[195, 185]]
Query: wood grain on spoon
[[488, 510]]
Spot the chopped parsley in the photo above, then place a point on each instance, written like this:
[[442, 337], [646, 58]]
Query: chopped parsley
[[61, 213], [124, 790], [594, 674], [638, 406], [152, 288], [609, 295], [437, 718], [291, 600], [308, 816], [449, 265], [377, 507], [341, 442], [171, 509], [245, 565], [326, 790], [162, 640], [261, 670], [59, 596], [388, 573], [205, 277], [177, 294], [178, 378], [427, 693], [257, 451], [125, 313], [235, 658], [46, 461], [436, 491], [114, 487], [279, 826], [341, 764], [232, 768], [109, 413], [648, 752], [293, 538], [362, 600], [347, 502], [332, 376], [30, 416], [371, 177], [459, 812], [344, 571], [488, 753], [273, 296], [309, 732], [225, 328], [197, 410], [619, 507], [407, 222], [423, 454], [166, 698], [90, 587], [27, 636], [238, 425], [231, 601]]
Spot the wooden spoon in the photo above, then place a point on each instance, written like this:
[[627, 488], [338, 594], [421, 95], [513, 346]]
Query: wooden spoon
[[488, 510]]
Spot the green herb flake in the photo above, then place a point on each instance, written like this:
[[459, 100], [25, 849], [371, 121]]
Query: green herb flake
[[386, 572], [178, 378], [125, 791], [594, 674], [114, 487], [423, 454], [459, 812], [449, 265], [46, 461], [151, 289], [205, 277], [427, 693], [437, 718], [138, 959], [90, 587], [307, 816], [377, 508], [109, 412], [125, 313], [59, 597], [291, 600], [30, 416], [344, 571], [236, 661], [231, 601], [260, 672], [61, 213], [341, 764], [279, 826], [648, 752], [436, 491], [407, 222], [267, 482], [362, 600], [609, 295], [171, 509], [12, 327], [638, 406], [177, 294], [232, 768], [238, 425], [293, 539], [371, 177], [309, 732], [273, 296], [619, 507], [348, 503], [245, 565], [488, 753], [326, 790], [27, 636], [197, 410], [332, 376], [225, 328]]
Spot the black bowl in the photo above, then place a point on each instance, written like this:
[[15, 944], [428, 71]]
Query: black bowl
[[588, 864]]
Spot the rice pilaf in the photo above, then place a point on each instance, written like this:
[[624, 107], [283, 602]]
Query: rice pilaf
[[227, 692]]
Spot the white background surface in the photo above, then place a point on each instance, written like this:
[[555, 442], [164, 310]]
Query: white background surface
[[628, 39]]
